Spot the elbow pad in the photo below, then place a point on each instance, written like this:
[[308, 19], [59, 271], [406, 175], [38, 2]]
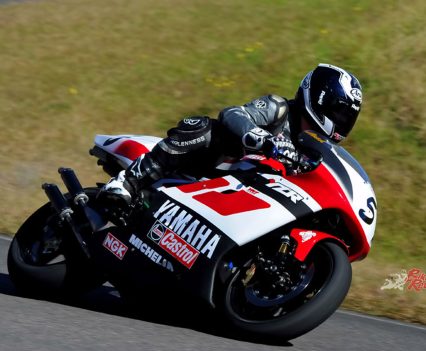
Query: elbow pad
[[254, 138]]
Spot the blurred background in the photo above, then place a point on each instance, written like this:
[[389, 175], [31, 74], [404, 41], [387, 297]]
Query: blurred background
[[71, 69]]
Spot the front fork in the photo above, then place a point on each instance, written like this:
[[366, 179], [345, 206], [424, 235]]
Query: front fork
[[298, 247], [272, 266]]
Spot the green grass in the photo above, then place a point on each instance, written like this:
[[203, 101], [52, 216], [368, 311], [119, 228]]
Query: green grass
[[71, 69]]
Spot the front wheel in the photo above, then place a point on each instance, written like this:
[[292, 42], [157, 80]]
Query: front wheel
[[44, 260], [312, 293]]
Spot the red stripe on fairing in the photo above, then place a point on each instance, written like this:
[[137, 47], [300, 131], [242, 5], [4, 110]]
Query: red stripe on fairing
[[225, 204], [131, 149], [324, 188], [232, 203], [205, 184]]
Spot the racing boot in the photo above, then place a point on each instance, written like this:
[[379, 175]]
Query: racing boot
[[118, 189], [127, 186]]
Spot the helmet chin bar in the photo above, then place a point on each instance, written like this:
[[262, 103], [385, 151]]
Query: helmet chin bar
[[326, 125]]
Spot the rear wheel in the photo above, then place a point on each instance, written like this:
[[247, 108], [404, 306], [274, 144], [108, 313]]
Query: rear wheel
[[44, 259], [302, 298]]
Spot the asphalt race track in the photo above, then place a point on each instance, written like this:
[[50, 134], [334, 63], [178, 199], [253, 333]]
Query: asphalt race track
[[100, 321]]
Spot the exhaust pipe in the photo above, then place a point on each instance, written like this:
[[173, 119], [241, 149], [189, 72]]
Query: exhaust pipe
[[73, 185], [60, 204], [80, 198]]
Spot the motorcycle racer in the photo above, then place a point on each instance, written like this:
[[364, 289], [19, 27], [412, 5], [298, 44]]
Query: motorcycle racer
[[327, 101]]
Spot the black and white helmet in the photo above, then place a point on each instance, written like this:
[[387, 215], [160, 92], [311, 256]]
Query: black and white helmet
[[330, 99]]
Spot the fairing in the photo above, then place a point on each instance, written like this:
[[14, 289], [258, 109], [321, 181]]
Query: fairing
[[192, 226], [126, 148], [341, 183], [269, 200]]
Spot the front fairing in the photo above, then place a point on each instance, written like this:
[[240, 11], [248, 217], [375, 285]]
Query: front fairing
[[353, 186]]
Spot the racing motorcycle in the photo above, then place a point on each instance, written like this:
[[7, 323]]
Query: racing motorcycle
[[271, 249]]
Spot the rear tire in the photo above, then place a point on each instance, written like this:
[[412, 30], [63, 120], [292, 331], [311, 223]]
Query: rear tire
[[44, 261], [327, 289]]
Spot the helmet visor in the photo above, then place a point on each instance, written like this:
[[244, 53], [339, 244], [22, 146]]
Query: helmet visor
[[344, 118]]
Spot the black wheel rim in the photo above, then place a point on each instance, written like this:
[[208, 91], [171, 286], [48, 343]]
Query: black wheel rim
[[45, 244], [250, 304]]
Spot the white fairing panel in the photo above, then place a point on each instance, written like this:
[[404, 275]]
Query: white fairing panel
[[245, 226], [364, 202], [110, 143]]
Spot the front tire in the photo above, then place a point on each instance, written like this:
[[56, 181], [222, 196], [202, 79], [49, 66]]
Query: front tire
[[293, 315]]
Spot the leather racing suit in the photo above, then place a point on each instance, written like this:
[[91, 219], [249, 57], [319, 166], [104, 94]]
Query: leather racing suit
[[199, 141]]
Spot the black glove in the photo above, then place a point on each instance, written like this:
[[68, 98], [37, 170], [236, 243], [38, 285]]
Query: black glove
[[280, 148], [305, 164]]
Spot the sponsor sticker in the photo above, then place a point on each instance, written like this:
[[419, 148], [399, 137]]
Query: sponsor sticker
[[195, 141], [321, 98], [337, 136], [157, 231], [307, 80], [191, 121], [252, 191], [294, 196], [173, 244], [355, 107], [178, 248], [149, 252], [357, 94], [260, 103], [115, 246], [183, 224], [316, 137], [308, 235]]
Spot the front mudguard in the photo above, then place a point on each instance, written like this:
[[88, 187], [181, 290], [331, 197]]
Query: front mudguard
[[307, 239]]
